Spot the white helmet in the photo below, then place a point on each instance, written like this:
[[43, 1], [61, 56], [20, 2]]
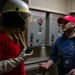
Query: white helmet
[[18, 6]]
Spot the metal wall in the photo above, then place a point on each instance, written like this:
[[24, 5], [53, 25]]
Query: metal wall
[[72, 6], [57, 6]]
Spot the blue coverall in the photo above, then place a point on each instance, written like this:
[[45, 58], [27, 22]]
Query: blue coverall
[[63, 53]]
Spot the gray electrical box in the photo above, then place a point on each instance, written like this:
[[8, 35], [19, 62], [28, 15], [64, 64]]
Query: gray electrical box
[[54, 30], [36, 30]]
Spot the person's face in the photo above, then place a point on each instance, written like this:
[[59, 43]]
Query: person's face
[[66, 25]]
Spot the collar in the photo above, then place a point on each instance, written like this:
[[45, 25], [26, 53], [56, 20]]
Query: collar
[[16, 34]]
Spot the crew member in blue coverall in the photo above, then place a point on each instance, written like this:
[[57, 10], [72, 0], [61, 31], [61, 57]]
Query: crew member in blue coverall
[[63, 51]]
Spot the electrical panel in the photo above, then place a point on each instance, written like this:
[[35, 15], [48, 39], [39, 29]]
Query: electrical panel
[[36, 30], [53, 30]]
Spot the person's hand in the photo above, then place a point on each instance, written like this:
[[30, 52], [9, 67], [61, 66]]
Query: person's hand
[[72, 72], [44, 65]]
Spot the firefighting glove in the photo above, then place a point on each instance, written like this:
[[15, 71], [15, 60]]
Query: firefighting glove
[[11, 63], [26, 52]]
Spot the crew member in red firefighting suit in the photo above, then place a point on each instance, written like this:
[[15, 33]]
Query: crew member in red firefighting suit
[[15, 16]]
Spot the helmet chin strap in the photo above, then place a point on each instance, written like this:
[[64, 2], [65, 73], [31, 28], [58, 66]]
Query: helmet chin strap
[[20, 16], [28, 18], [25, 25]]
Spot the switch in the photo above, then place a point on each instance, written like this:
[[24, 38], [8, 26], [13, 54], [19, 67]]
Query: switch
[[31, 40], [52, 39], [31, 44], [37, 40], [31, 37], [40, 21]]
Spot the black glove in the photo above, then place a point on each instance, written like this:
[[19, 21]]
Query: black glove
[[28, 50]]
